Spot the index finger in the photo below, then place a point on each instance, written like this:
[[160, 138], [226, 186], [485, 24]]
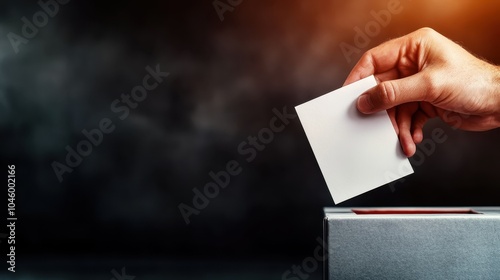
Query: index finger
[[384, 60]]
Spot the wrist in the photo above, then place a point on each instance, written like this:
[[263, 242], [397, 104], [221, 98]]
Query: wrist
[[496, 91], [497, 80]]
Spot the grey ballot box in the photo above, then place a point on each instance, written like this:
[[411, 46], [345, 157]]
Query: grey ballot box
[[412, 243]]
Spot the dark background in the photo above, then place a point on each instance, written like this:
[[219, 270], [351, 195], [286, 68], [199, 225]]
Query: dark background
[[119, 208]]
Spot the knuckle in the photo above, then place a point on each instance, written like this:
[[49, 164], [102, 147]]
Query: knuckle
[[432, 85], [366, 61], [427, 31], [388, 93]]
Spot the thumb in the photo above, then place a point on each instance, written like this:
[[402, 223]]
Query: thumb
[[391, 93]]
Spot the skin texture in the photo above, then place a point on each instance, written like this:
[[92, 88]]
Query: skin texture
[[424, 75]]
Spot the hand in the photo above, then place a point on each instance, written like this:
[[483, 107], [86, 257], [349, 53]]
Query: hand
[[423, 75]]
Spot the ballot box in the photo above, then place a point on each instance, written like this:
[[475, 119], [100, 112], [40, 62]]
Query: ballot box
[[412, 243]]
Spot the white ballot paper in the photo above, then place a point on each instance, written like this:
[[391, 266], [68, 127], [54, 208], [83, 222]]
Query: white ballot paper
[[356, 153]]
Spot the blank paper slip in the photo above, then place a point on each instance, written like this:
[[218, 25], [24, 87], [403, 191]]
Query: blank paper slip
[[356, 153]]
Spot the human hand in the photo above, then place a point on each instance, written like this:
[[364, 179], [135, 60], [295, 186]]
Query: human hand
[[424, 75]]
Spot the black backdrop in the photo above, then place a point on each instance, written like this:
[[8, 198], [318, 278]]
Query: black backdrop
[[120, 206]]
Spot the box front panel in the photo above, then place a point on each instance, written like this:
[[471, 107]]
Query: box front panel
[[416, 247]]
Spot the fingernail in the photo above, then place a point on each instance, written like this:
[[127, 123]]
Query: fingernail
[[364, 104]]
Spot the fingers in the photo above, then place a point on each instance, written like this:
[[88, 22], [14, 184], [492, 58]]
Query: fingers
[[383, 58], [425, 112], [392, 115], [419, 120], [404, 116], [410, 121], [389, 94]]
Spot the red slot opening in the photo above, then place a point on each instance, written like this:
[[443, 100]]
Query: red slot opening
[[413, 211]]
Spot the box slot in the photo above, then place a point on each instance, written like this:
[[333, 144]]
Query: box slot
[[413, 211]]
